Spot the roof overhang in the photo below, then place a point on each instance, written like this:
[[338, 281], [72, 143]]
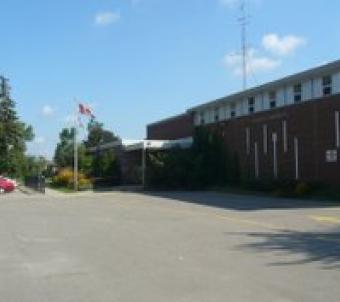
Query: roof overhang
[[289, 80]]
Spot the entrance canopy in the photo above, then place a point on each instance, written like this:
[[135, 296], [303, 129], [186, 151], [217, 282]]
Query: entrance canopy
[[134, 145]]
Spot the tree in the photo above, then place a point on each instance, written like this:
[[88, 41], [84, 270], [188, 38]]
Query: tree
[[35, 165], [105, 164], [206, 164], [101, 165], [14, 135], [64, 153], [98, 135]]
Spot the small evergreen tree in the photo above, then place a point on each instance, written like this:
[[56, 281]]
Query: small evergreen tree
[[14, 135]]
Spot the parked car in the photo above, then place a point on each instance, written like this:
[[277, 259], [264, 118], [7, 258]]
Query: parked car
[[13, 181], [6, 186]]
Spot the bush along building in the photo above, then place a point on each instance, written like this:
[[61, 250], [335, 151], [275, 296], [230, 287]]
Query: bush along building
[[287, 129]]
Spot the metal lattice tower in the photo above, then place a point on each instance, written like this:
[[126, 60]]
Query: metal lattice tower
[[244, 21]]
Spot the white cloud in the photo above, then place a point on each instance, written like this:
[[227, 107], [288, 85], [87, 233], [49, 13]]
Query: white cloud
[[47, 110], [39, 140], [282, 46], [107, 18], [255, 62]]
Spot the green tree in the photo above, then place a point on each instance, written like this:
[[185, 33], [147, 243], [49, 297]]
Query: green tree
[[64, 152], [35, 165], [105, 164], [97, 135], [14, 135], [206, 164]]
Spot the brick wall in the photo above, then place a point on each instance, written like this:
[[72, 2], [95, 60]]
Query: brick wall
[[311, 123], [177, 127]]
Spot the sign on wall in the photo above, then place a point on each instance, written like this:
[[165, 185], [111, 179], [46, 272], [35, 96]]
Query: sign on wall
[[331, 156]]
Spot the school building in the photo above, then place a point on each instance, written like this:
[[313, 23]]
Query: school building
[[285, 129]]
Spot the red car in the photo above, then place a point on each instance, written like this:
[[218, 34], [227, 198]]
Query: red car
[[6, 186]]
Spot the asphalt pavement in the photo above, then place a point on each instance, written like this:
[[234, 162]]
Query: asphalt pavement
[[192, 247]]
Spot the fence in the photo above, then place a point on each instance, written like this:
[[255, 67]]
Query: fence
[[36, 183]]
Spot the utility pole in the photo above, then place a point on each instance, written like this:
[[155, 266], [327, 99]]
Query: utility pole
[[75, 149], [144, 152], [243, 20]]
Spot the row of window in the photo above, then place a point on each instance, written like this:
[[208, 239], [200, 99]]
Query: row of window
[[327, 84]]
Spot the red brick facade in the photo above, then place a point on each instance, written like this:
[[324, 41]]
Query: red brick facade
[[177, 127], [309, 124]]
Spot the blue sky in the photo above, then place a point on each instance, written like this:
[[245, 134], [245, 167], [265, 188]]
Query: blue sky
[[137, 61]]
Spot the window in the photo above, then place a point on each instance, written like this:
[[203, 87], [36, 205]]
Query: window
[[284, 135], [202, 119], [272, 99], [248, 140], [232, 110], [257, 166], [337, 129], [216, 115], [265, 139], [251, 105], [297, 93], [275, 168], [327, 85], [296, 155]]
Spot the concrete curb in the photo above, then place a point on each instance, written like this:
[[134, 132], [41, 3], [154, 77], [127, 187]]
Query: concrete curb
[[25, 190]]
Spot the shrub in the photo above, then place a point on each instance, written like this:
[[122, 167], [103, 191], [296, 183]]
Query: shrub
[[85, 184], [302, 189], [206, 164], [65, 178]]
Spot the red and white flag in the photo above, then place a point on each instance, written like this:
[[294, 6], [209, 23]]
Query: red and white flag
[[86, 110]]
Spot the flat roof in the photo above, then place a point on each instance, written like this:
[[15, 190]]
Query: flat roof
[[169, 119], [310, 73]]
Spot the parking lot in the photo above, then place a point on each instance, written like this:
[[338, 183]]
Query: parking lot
[[167, 247]]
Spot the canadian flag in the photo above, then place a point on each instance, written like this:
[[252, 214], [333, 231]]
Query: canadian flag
[[86, 110]]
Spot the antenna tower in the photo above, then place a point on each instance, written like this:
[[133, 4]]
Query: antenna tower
[[244, 21]]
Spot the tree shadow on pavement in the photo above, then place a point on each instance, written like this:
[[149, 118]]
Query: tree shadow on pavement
[[240, 202], [302, 247]]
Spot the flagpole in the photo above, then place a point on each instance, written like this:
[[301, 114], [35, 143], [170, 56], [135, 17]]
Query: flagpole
[[75, 149]]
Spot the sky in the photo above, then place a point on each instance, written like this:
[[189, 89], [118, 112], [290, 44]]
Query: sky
[[139, 61]]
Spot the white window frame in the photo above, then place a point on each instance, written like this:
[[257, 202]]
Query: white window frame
[[233, 110], [216, 115], [328, 85], [202, 118], [251, 105], [297, 93], [272, 99]]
